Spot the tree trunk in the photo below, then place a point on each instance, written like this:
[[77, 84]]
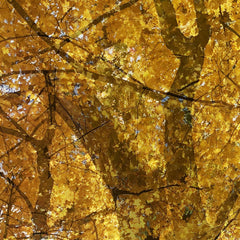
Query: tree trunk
[[39, 216]]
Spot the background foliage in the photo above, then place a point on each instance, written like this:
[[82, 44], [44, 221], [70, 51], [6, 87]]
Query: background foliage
[[119, 119]]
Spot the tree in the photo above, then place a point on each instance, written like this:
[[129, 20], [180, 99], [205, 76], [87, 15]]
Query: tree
[[119, 119]]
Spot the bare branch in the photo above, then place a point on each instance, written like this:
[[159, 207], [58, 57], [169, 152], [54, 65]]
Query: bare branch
[[227, 225], [158, 95], [22, 194], [228, 204], [11, 120], [81, 31], [11, 149], [229, 78], [12, 132], [8, 213], [104, 16], [81, 137]]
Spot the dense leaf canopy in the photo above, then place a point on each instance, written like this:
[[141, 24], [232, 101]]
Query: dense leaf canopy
[[120, 119]]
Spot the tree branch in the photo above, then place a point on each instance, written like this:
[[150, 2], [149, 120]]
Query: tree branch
[[228, 204], [11, 120], [103, 17], [86, 28], [227, 225], [8, 213], [116, 192], [158, 95], [229, 78], [82, 136], [22, 194], [12, 132]]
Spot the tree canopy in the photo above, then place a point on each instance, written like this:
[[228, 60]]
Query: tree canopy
[[120, 119]]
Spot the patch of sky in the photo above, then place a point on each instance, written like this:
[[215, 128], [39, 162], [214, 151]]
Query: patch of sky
[[137, 131], [30, 102], [2, 170], [33, 62], [235, 118], [74, 138], [165, 99], [54, 13], [6, 89], [62, 34], [75, 90]]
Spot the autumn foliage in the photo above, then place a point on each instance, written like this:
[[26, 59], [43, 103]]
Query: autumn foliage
[[120, 119]]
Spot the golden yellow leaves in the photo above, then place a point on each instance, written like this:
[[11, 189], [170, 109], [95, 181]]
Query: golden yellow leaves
[[216, 154], [107, 225], [5, 51], [78, 189], [5, 102], [132, 220], [186, 17], [132, 146]]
